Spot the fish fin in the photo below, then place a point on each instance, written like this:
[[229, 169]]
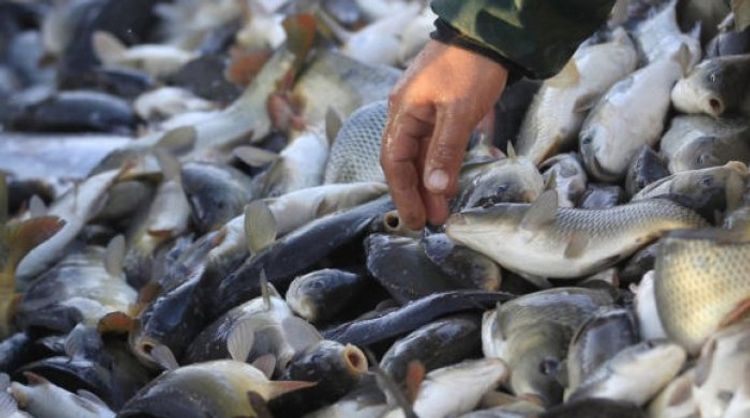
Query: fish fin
[[280, 387], [705, 363], [333, 124], [107, 47], [259, 405], [542, 212], [415, 373], [91, 397], [585, 103], [266, 364], [34, 379], [740, 311], [8, 405], [299, 333], [619, 13], [115, 256], [116, 323], [389, 387], [164, 357], [240, 340], [568, 76], [551, 183], [25, 236], [300, 33], [37, 208], [511, 151], [576, 246], [683, 57], [168, 163], [74, 342], [254, 156], [178, 140], [265, 291], [260, 226]]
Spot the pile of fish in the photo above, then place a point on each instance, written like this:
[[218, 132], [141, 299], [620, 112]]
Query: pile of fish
[[237, 254]]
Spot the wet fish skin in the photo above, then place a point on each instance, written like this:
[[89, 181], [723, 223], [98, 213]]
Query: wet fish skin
[[570, 177], [46, 400], [512, 179], [646, 168], [698, 283], [708, 152], [532, 334], [466, 267], [320, 295], [602, 196], [216, 193], [729, 42], [635, 374], [610, 235], [660, 36], [598, 340], [438, 344], [716, 86]]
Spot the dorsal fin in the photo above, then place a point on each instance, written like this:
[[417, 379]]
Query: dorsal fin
[[37, 208], [169, 165], [511, 152], [265, 290], [115, 256], [241, 338], [542, 212], [260, 226], [551, 183]]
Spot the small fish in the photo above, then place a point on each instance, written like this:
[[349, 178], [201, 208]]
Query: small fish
[[635, 374], [716, 87], [320, 295], [45, 400], [546, 241], [224, 388], [696, 285], [555, 116]]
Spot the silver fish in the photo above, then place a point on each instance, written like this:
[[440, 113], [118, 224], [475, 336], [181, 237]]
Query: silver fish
[[715, 87], [47, 400], [659, 37]]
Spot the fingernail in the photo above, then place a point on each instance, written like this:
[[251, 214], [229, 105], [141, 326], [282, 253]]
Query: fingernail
[[437, 181]]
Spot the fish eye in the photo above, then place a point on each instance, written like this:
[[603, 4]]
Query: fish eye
[[549, 366], [712, 77], [707, 181], [586, 140]]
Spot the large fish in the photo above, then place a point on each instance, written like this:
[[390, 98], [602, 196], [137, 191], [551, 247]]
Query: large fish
[[559, 108], [716, 87], [543, 240]]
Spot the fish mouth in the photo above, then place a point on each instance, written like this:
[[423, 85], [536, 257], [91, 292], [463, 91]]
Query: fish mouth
[[354, 360], [714, 105]]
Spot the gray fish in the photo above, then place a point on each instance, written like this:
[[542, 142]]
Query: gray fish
[[602, 196], [320, 295], [570, 177], [546, 241], [532, 333], [641, 262], [594, 408], [729, 42], [355, 153], [124, 200], [437, 344], [635, 374], [646, 168], [598, 340], [463, 265], [216, 193], [717, 86]]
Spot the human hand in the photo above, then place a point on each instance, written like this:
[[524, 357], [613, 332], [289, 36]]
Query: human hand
[[432, 111]]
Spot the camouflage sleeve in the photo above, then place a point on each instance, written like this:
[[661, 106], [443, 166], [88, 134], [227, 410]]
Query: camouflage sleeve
[[537, 37]]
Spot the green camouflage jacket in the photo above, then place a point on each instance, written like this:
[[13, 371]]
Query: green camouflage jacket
[[536, 36]]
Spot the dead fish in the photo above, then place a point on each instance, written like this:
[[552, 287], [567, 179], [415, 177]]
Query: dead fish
[[155, 59], [320, 295], [555, 116], [83, 287], [45, 400], [75, 208], [402, 267], [512, 179], [463, 265], [602, 196], [165, 102], [456, 389], [645, 168], [437, 344], [544, 240], [596, 341], [336, 368], [716, 86], [412, 316], [696, 141], [217, 193], [609, 139], [706, 190], [659, 37], [696, 287], [223, 388], [355, 152], [532, 333], [569, 175]]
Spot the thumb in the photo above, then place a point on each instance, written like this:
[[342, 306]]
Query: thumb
[[446, 151]]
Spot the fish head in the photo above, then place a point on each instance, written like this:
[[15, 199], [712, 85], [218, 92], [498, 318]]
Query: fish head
[[215, 194], [699, 153], [712, 87], [510, 180], [475, 227]]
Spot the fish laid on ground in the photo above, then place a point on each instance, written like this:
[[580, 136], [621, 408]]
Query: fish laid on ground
[[559, 108], [716, 87], [45, 400], [546, 241], [699, 283]]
